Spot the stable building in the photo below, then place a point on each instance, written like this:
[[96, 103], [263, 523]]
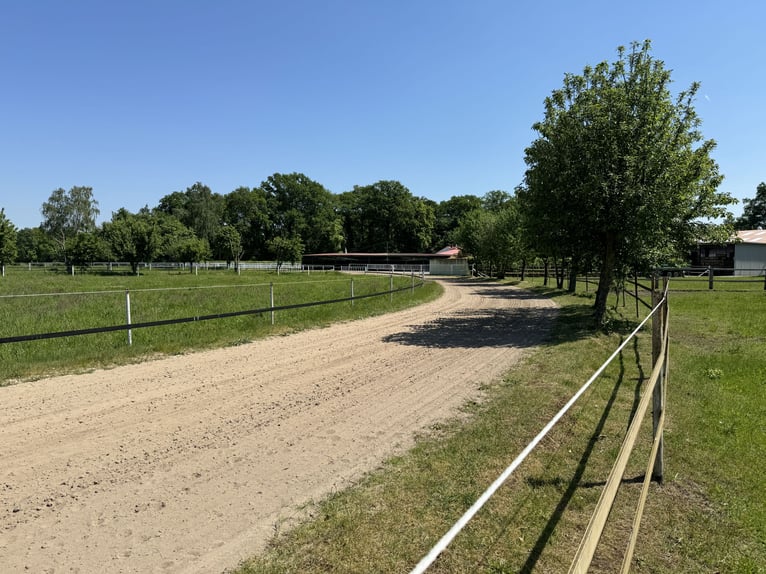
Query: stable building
[[750, 252], [744, 255], [447, 261]]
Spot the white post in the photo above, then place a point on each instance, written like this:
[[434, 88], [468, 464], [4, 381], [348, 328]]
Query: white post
[[127, 309], [391, 287], [412, 281], [271, 293]]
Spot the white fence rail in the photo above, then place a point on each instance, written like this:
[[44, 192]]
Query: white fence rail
[[442, 544]]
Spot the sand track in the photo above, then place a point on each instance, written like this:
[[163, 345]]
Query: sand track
[[185, 464]]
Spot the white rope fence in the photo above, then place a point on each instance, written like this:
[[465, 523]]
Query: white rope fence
[[440, 546]]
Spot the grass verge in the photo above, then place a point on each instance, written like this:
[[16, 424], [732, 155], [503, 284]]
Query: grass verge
[[708, 516]]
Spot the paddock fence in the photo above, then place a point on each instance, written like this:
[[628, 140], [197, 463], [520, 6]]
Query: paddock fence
[[271, 309], [196, 267], [654, 393]]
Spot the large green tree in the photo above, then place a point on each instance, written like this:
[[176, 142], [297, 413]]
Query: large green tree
[[85, 248], [198, 208], [447, 217], [302, 208], [133, 238], [386, 217], [246, 211], [35, 245], [620, 171], [228, 245], [492, 236], [754, 213], [286, 249], [67, 213], [8, 250]]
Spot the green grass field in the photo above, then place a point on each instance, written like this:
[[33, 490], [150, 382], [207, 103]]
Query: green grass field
[[33, 302], [709, 515]]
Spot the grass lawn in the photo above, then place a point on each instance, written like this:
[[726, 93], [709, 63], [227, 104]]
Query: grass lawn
[[33, 302], [709, 515]]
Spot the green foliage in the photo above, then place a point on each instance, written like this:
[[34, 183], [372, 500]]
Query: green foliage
[[245, 209], [96, 300], [191, 250], [228, 244], [86, 248], [386, 217], [67, 213], [754, 213], [172, 235], [493, 234], [620, 172], [286, 249], [35, 245], [132, 238], [198, 208], [8, 249], [301, 207], [448, 216]]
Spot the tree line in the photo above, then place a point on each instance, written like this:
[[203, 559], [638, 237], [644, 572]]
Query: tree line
[[619, 180], [283, 218]]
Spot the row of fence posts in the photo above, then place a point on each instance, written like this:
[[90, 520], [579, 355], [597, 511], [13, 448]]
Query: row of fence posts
[[271, 300]]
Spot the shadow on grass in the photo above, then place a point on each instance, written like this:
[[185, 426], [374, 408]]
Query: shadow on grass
[[575, 482]]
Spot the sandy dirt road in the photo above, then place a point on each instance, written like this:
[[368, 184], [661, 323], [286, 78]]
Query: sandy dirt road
[[185, 464]]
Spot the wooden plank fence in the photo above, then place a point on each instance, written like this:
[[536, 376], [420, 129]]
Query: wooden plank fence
[[654, 393]]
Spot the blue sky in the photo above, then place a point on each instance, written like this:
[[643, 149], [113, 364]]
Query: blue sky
[[140, 98]]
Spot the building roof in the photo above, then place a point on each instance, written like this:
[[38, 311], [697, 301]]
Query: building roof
[[446, 252], [752, 236], [449, 251]]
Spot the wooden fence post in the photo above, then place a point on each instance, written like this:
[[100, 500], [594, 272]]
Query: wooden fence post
[[709, 277], [658, 396]]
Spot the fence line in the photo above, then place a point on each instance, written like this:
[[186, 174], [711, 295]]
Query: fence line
[[162, 322], [442, 544], [595, 528], [164, 265], [148, 289]]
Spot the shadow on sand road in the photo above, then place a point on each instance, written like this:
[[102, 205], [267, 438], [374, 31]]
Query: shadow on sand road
[[514, 326]]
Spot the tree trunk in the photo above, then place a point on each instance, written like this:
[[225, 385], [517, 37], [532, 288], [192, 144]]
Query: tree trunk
[[560, 272], [606, 276], [545, 272], [572, 277]]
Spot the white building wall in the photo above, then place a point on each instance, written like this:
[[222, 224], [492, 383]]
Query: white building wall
[[749, 258], [458, 267]]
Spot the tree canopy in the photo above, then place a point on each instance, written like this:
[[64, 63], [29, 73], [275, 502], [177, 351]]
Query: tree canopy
[[386, 217], [67, 213], [754, 212], [299, 207], [619, 171], [8, 249]]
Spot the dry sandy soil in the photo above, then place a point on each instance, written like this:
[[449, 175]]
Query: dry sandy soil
[[187, 464]]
